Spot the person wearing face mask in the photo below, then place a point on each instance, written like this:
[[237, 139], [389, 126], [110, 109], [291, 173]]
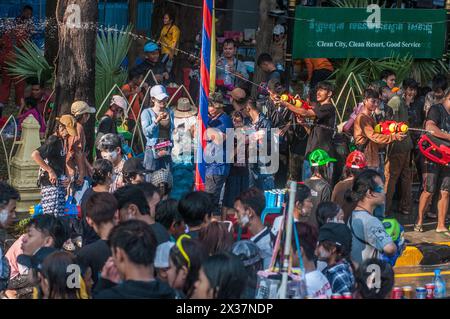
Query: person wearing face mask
[[51, 158], [319, 182], [366, 139], [370, 238], [398, 154], [133, 204], [157, 125], [334, 247], [8, 200], [302, 210], [249, 206], [110, 149]]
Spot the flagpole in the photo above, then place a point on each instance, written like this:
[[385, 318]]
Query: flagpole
[[202, 119]]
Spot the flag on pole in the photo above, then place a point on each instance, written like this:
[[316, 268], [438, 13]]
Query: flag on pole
[[212, 73], [205, 68]]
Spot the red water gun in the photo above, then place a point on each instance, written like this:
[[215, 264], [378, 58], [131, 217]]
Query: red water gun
[[435, 149], [391, 127], [295, 101]]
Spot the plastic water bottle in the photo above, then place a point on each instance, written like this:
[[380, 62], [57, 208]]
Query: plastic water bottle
[[440, 289]]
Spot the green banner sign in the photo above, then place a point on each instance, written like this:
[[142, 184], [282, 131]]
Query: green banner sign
[[354, 32]]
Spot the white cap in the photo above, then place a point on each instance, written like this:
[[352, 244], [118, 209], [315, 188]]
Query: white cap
[[120, 102], [278, 29], [162, 254], [158, 92]]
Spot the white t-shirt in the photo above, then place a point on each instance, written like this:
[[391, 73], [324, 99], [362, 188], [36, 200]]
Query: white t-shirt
[[317, 285]]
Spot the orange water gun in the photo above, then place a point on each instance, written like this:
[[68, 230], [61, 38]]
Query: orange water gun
[[295, 101], [391, 127]]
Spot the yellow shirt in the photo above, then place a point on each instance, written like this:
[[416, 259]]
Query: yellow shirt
[[169, 38]]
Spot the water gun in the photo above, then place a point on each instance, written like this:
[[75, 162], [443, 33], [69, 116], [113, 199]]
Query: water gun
[[295, 101], [70, 209], [397, 232], [395, 89], [435, 149], [391, 127]]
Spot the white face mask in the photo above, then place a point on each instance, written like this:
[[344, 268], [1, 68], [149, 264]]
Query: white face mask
[[4, 214], [244, 220], [110, 156]]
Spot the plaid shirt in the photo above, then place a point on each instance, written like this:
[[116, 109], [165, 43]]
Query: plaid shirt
[[340, 277]]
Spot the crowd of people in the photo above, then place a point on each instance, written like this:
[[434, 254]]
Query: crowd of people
[[144, 232]]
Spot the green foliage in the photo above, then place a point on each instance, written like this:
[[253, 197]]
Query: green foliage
[[30, 63], [112, 48]]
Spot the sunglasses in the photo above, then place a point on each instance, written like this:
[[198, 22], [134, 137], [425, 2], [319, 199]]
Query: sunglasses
[[379, 189]]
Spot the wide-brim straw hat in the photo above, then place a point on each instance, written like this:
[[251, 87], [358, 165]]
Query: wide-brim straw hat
[[184, 108]]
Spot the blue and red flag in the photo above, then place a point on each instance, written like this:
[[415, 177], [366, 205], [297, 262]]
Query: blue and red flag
[[205, 69]]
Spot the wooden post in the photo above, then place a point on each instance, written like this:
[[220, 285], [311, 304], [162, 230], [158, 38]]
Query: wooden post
[[290, 41], [132, 18]]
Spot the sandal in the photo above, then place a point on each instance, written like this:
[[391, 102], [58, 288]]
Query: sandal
[[418, 228], [444, 233]]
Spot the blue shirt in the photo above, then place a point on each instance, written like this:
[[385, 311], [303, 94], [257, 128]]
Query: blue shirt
[[150, 128], [223, 169]]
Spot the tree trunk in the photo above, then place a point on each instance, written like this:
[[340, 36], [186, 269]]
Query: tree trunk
[[51, 33], [132, 19], [75, 78], [263, 37]]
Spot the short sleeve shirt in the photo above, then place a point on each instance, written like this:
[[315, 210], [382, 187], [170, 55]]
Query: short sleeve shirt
[[54, 154], [440, 116], [371, 230]]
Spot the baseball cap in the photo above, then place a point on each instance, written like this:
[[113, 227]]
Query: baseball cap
[[356, 159], [159, 92], [278, 29], [80, 108], [134, 166], [319, 157], [238, 94], [150, 47], [163, 254], [120, 102], [337, 233], [35, 261], [69, 122]]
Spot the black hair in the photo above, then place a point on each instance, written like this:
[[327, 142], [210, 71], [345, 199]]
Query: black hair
[[27, 7], [170, 14], [148, 189], [410, 84], [351, 172], [101, 208], [132, 194], [322, 170], [386, 73], [167, 213], [194, 206], [101, 169], [197, 254], [325, 211], [29, 101], [253, 198], [134, 73], [308, 234], [439, 82], [34, 81], [55, 269], [226, 275], [251, 103], [371, 94], [229, 41], [386, 276], [362, 183], [7, 193], [136, 239], [51, 226], [264, 57], [303, 192], [325, 85]]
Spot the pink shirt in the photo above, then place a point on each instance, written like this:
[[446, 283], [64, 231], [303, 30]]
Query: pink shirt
[[14, 251]]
